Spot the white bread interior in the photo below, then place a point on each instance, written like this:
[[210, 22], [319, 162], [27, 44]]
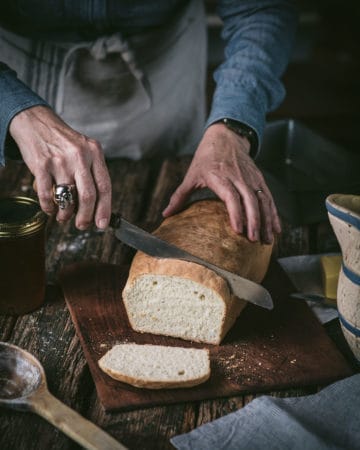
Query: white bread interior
[[187, 300], [156, 366]]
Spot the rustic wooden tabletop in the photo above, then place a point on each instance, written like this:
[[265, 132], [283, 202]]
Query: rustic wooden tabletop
[[140, 192]]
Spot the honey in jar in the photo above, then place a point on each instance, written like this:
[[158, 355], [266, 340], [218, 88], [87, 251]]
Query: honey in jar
[[22, 255]]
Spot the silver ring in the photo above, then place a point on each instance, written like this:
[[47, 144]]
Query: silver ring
[[64, 195], [258, 191]]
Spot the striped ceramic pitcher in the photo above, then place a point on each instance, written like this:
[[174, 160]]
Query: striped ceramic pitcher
[[344, 215]]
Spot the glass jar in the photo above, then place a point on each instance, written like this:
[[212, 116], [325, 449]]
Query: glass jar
[[22, 255]]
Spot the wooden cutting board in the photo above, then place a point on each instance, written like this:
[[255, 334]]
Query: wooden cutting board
[[265, 350]]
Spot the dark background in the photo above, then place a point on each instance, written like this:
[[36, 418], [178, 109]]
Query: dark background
[[322, 80]]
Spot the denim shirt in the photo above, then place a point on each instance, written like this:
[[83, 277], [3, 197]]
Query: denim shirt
[[258, 37]]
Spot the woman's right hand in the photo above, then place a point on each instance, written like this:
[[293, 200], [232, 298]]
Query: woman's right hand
[[57, 154]]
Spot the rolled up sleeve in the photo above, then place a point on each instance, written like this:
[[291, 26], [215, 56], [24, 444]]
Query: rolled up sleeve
[[15, 96], [258, 39]]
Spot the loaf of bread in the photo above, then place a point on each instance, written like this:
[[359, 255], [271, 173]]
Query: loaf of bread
[[156, 366], [187, 300]]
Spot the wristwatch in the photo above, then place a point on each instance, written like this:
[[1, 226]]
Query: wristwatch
[[244, 131]]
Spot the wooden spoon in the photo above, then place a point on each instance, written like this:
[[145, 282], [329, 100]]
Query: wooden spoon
[[23, 387]]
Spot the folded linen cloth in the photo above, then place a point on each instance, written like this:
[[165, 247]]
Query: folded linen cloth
[[305, 273], [329, 419]]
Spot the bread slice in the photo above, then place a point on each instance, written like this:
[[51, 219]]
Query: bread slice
[[187, 300], [156, 366]]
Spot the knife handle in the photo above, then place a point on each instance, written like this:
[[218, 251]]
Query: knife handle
[[115, 220]]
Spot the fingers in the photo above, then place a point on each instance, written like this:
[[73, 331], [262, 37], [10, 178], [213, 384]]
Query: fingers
[[266, 230], [62, 176], [261, 214], [221, 164], [57, 154], [249, 212], [91, 188], [43, 185], [94, 188], [276, 219], [179, 197], [103, 187], [227, 192], [272, 210]]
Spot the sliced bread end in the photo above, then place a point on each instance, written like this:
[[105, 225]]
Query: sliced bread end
[[156, 366]]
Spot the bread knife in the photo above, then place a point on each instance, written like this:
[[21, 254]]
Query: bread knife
[[316, 298], [141, 240]]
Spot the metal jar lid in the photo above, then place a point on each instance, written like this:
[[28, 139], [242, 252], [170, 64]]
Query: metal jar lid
[[20, 216]]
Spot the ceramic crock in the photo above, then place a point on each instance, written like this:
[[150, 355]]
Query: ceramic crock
[[344, 216]]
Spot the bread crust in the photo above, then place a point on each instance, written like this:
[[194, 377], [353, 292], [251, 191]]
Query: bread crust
[[140, 383], [155, 384], [204, 230]]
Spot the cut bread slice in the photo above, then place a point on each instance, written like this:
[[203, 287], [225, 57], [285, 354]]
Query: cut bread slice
[[156, 366]]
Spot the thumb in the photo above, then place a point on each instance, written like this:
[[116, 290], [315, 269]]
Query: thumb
[[178, 199]]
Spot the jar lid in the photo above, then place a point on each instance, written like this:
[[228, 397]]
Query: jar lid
[[20, 216]]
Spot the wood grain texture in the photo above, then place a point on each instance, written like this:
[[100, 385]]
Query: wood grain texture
[[140, 192], [48, 333], [265, 350]]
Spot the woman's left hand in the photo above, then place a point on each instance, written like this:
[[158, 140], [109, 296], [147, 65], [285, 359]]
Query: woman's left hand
[[222, 163]]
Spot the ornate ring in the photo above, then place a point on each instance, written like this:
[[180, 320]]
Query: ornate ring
[[64, 195], [258, 191]]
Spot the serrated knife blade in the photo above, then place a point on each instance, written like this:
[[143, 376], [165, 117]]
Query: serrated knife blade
[[140, 239]]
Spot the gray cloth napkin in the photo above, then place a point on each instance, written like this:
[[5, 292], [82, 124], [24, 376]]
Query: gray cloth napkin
[[305, 273], [329, 419]]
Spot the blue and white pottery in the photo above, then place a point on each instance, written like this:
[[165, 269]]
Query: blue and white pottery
[[344, 216]]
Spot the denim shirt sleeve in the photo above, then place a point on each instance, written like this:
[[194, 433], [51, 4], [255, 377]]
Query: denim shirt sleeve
[[258, 37], [15, 96]]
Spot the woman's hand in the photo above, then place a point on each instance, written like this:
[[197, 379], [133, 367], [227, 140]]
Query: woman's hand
[[57, 154], [222, 163]]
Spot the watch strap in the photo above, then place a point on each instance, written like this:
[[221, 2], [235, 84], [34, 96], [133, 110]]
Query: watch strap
[[242, 130]]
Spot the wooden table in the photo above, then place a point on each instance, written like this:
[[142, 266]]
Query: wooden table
[[140, 192]]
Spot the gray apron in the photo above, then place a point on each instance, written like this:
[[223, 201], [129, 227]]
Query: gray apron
[[140, 96]]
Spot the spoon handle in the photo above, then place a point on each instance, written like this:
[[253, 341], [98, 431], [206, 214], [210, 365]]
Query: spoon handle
[[71, 423]]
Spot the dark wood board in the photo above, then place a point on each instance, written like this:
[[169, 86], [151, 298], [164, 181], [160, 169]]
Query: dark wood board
[[265, 350]]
